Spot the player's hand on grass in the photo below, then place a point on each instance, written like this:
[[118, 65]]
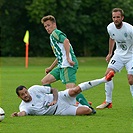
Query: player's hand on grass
[[14, 114]]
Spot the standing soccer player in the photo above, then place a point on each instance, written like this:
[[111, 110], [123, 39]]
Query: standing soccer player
[[65, 61], [121, 34]]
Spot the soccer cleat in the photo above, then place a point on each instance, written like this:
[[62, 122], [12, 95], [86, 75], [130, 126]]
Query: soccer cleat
[[104, 105], [90, 102], [110, 75], [93, 110]]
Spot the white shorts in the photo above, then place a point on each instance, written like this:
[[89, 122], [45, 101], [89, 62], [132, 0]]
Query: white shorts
[[117, 63], [66, 104]]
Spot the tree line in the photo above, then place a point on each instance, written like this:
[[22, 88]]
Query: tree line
[[83, 21]]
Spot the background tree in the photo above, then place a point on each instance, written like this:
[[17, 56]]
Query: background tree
[[83, 21]]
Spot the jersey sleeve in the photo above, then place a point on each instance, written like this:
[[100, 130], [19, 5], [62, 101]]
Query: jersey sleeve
[[109, 32], [132, 31], [23, 108], [40, 88], [59, 36], [45, 89]]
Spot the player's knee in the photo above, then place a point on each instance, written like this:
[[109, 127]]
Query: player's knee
[[84, 111], [42, 81], [74, 91], [89, 111], [77, 90]]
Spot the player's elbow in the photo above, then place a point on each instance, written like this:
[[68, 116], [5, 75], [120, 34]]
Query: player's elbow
[[130, 82], [130, 79]]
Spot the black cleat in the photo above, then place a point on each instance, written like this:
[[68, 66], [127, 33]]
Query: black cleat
[[93, 110]]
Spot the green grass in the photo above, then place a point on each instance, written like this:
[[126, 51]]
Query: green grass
[[117, 120]]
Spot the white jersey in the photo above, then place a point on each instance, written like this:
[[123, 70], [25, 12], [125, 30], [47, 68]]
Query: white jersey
[[123, 38], [40, 100]]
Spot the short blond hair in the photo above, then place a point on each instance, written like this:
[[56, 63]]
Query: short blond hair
[[48, 17]]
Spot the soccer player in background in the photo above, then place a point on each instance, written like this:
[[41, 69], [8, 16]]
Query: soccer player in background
[[44, 100], [121, 35], [65, 65]]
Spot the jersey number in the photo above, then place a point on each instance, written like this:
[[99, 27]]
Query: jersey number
[[113, 62]]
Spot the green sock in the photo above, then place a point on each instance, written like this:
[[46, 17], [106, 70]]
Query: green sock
[[81, 99], [47, 85]]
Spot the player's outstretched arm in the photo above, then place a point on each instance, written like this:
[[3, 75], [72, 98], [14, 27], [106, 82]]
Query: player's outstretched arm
[[15, 114]]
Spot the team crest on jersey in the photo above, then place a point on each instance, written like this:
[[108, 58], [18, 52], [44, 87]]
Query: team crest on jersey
[[38, 96], [125, 34]]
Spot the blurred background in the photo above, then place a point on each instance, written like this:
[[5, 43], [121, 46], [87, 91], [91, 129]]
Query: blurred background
[[83, 21]]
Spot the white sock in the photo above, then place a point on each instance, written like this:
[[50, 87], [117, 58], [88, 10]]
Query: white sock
[[108, 91], [90, 84], [131, 90]]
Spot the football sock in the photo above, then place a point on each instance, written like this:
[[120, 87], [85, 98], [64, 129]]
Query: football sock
[[108, 91], [90, 84], [81, 99], [47, 85], [131, 90]]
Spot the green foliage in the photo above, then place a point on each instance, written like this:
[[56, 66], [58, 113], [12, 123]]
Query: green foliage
[[117, 120], [83, 21], [11, 31], [38, 8]]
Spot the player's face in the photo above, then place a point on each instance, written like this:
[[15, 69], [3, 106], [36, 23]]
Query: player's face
[[24, 95], [49, 26], [117, 19]]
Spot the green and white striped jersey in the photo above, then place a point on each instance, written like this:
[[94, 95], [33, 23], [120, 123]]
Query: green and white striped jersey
[[57, 38]]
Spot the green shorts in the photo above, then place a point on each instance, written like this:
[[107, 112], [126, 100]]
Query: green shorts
[[66, 75]]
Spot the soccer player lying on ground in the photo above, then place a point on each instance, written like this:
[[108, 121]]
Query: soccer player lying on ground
[[37, 100]]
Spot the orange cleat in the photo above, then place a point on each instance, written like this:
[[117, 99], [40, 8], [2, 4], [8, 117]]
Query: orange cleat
[[104, 105], [110, 75]]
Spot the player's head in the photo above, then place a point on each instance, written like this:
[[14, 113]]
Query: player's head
[[118, 10], [117, 17], [49, 23], [23, 93]]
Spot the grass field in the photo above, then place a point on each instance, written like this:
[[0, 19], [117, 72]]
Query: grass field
[[115, 120]]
